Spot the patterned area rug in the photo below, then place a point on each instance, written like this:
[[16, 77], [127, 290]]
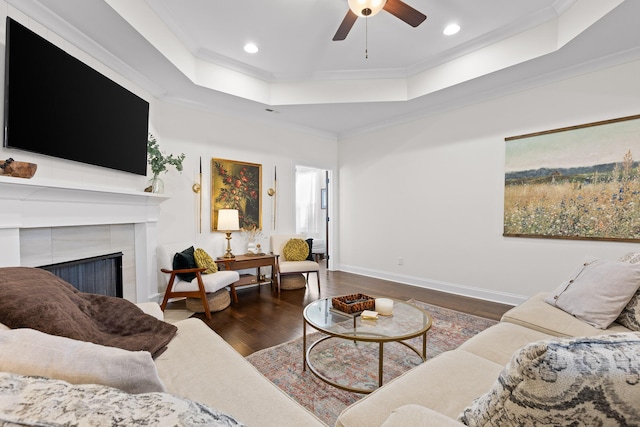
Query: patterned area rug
[[176, 315], [356, 364]]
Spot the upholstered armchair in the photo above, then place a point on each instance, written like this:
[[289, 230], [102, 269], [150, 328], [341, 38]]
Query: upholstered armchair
[[297, 262], [189, 280]]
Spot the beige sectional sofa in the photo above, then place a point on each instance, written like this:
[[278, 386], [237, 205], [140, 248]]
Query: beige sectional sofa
[[436, 392], [71, 358], [199, 366]]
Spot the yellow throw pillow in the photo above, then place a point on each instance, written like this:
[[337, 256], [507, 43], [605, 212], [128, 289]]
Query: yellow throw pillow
[[203, 260], [296, 250]]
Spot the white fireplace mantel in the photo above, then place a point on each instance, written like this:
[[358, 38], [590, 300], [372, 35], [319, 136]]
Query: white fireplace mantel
[[40, 203]]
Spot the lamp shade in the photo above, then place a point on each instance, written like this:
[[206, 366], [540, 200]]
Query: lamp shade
[[366, 7], [228, 220]]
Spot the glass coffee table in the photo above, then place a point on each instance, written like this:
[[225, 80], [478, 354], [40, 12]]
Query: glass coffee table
[[406, 322]]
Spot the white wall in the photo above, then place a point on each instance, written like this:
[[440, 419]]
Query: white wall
[[209, 135], [431, 192], [198, 134]]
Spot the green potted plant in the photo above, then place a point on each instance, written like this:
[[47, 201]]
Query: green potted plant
[[159, 162]]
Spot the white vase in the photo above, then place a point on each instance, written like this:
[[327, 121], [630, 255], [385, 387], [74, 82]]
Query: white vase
[[157, 186]]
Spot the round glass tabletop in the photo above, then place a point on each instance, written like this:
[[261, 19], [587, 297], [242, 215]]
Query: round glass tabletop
[[407, 321]]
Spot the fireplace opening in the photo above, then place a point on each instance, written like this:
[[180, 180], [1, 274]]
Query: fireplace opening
[[96, 275]]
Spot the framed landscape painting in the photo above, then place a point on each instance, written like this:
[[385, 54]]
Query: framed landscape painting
[[237, 185], [580, 182]]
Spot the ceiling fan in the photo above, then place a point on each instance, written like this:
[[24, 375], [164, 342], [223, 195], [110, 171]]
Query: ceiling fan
[[366, 8]]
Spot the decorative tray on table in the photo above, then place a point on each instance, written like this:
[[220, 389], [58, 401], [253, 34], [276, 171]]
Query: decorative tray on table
[[354, 303]]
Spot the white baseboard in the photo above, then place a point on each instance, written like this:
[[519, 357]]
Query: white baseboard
[[452, 288]]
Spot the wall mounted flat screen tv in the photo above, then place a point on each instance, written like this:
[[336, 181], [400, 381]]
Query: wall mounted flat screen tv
[[58, 106]]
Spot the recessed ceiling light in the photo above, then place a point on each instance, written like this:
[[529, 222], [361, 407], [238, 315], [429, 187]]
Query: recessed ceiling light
[[451, 29], [250, 48]]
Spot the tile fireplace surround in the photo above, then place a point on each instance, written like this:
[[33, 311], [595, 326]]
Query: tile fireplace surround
[[31, 208]]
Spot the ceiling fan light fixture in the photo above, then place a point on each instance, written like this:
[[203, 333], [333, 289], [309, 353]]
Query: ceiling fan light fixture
[[366, 7]]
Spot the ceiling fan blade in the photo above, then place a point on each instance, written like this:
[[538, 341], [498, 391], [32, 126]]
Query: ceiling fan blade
[[344, 28], [401, 10]]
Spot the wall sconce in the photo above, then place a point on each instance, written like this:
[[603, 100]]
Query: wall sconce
[[228, 221]]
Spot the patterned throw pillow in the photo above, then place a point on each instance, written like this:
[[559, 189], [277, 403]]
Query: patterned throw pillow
[[576, 381], [42, 401], [295, 250], [203, 260], [630, 316]]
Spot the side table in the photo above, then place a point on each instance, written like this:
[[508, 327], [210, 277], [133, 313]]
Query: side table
[[243, 262]]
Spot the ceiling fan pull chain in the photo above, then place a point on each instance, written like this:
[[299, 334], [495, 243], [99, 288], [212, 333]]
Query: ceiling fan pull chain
[[366, 37]]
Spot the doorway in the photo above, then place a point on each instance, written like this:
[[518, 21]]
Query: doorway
[[312, 208]]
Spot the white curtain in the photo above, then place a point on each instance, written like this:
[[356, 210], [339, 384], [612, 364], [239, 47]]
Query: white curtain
[[309, 215]]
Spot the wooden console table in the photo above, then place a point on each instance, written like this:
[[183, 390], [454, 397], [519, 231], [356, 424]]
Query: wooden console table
[[243, 262]]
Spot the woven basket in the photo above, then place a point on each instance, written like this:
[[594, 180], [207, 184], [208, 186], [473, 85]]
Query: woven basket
[[344, 303], [218, 301], [292, 281]]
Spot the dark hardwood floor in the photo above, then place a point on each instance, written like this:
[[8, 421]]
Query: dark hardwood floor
[[263, 319]]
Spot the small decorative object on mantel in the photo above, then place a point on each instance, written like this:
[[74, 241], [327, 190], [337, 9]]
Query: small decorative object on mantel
[[17, 169], [159, 161]]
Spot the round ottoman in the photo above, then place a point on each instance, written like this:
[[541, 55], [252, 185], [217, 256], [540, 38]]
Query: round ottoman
[[218, 301], [292, 281]]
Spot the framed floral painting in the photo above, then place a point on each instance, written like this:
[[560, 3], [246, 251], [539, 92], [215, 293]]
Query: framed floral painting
[[579, 182], [237, 185]]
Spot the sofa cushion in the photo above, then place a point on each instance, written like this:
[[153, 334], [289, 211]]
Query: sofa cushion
[[499, 342], [295, 250], [204, 260], [630, 316], [152, 309], [212, 282], [286, 267], [418, 416], [597, 291], [185, 260], [31, 352], [566, 382], [445, 384], [201, 366], [40, 401], [536, 314]]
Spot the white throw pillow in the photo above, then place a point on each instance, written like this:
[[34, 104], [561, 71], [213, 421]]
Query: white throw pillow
[[31, 352], [597, 291]]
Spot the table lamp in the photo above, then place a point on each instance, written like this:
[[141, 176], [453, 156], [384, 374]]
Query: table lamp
[[228, 221]]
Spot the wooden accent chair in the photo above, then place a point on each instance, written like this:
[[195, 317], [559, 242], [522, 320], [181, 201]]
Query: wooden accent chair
[[199, 287], [285, 266]]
